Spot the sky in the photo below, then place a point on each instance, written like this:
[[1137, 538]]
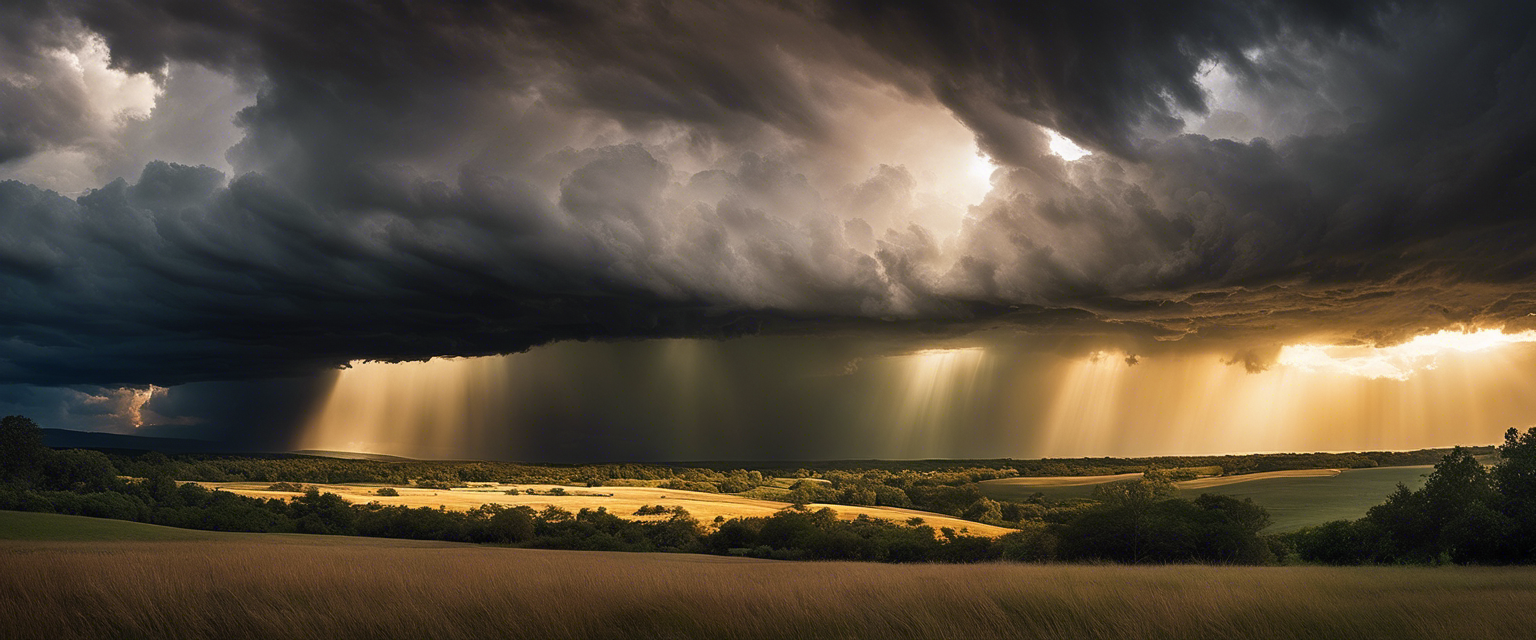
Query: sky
[[753, 230]]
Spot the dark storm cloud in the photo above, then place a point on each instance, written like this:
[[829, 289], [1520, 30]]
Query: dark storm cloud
[[181, 277], [1099, 71], [421, 179], [1416, 214]]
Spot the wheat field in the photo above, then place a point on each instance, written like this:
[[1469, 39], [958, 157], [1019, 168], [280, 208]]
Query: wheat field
[[249, 588]]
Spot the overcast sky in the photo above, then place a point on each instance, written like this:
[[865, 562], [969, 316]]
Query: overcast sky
[[208, 207]]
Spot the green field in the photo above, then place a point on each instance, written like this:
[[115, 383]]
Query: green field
[[1293, 503], [18, 525], [22, 526]]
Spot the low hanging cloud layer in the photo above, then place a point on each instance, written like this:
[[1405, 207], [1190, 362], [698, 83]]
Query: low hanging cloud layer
[[406, 180]]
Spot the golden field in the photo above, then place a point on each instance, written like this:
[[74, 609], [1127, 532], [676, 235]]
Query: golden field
[[1220, 481], [1197, 483], [235, 586], [621, 501]]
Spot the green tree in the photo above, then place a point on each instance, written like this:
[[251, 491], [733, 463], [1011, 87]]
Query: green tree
[[1515, 480], [21, 450], [80, 470], [327, 513], [512, 525], [1442, 519]]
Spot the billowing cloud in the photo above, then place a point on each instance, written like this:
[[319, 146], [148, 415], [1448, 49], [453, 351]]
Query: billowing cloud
[[423, 179]]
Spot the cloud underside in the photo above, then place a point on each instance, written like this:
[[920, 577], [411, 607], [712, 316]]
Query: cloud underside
[[421, 179]]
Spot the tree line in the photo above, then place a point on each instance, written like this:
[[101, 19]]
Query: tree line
[[1129, 522], [1465, 513]]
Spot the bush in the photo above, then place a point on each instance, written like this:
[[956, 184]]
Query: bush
[[511, 525], [387, 491], [286, 486], [690, 485], [1341, 542], [1140, 524]]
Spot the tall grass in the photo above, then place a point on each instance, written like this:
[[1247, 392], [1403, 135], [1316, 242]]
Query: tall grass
[[251, 588]]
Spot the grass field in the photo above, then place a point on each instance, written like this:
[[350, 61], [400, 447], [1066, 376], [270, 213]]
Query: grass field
[[1294, 503], [318, 587], [17, 525], [1295, 499], [621, 501]]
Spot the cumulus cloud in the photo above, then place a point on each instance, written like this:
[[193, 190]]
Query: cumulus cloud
[[63, 101]]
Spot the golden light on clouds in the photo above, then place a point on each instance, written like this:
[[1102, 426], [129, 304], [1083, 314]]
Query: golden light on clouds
[[136, 401], [1398, 362]]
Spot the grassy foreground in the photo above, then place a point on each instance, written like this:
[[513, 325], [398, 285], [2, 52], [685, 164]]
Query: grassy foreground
[[260, 586]]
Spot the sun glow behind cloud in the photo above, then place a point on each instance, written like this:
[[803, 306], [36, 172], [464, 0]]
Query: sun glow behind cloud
[[1067, 149], [980, 170], [1398, 362]]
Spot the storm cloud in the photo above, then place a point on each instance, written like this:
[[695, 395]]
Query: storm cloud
[[422, 179]]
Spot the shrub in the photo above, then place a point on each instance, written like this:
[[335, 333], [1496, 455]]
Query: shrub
[[690, 485], [387, 491]]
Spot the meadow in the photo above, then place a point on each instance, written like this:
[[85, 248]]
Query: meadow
[[1294, 499], [231, 585]]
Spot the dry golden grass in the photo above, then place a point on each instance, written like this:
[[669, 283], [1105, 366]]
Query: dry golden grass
[[1217, 481], [247, 588], [621, 501], [1198, 483], [1062, 481]]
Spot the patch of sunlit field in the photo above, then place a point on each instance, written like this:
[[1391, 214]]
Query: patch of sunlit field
[[1042, 483], [620, 501], [1294, 499], [244, 587]]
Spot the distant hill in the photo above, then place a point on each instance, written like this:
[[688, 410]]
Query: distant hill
[[66, 439], [352, 455]]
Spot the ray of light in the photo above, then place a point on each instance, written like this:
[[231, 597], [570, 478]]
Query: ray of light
[[1436, 390], [694, 400], [1083, 416], [426, 409], [933, 385]]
